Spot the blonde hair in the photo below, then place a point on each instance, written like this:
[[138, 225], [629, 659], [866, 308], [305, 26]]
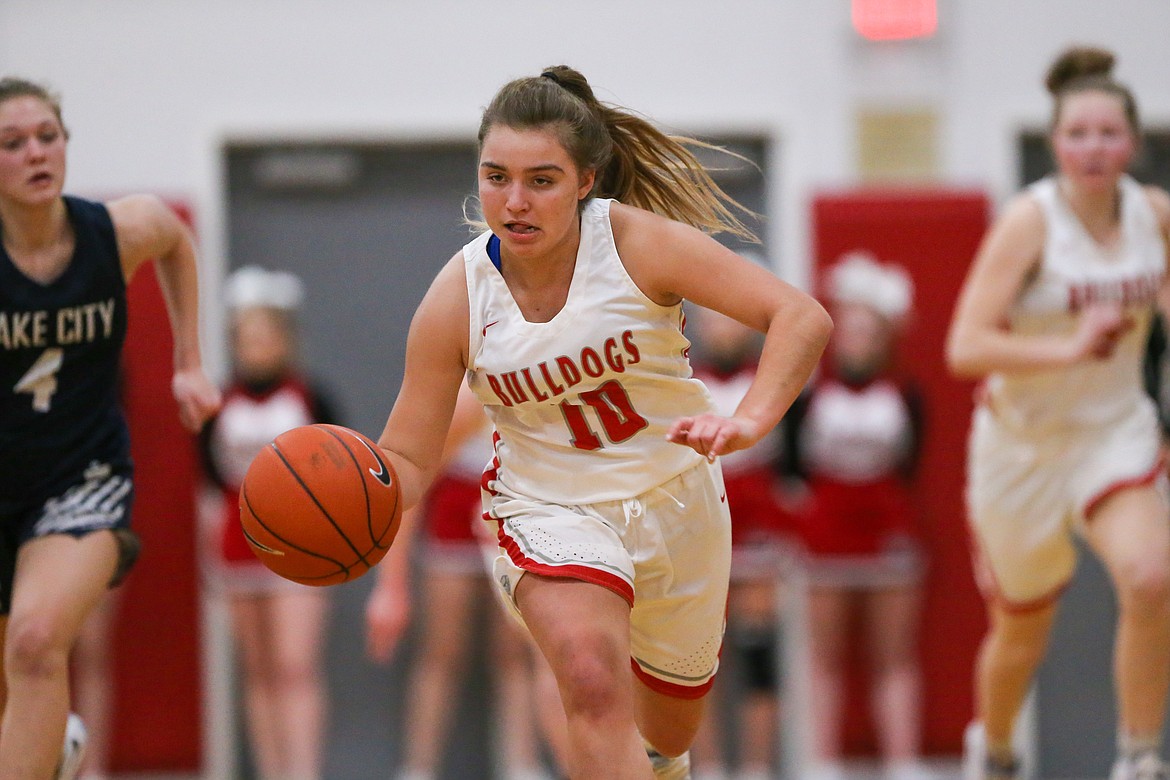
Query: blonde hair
[[636, 163], [1088, 68]]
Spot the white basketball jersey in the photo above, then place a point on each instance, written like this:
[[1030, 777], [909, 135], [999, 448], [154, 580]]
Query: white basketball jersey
[[1074, 272], [856, 434], [581, 403]]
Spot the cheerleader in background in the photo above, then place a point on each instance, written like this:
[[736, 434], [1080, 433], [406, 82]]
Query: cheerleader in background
[[725, 357], [853, 440], [278, 625]]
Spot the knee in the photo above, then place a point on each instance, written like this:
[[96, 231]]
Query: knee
[[34, 649], [1011, 650], [1144, 588], [295, 671], [593, 675]]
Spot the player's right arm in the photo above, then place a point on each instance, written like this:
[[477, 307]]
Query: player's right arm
[[436, 360], [149, 230], [979, 343]]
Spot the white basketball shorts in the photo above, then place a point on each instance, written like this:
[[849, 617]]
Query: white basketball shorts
[[667, 552], [1027, 496]]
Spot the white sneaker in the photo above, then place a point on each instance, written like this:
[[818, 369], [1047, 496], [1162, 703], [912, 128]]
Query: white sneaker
[[73, 750], [1147, 766], [977, 765], [667, 768]]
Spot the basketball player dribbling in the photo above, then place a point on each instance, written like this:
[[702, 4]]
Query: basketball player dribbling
[[853, 441], [66, 477], [1054, 314], [565, 318]]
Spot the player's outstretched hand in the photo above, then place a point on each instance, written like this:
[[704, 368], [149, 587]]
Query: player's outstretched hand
[[711, 435], [198, 398]]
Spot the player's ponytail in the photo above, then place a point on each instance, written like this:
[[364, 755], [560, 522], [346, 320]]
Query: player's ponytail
[[636, 163]]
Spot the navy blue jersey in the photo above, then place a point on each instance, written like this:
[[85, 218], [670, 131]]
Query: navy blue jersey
[[60, 352]]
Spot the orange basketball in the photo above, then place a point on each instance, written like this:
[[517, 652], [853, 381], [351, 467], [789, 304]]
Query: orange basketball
[[320, 505]]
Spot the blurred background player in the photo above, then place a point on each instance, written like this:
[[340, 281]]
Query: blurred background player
[[853, 440], [724, 358], [454, 585], [1054, 315], [277, 625]]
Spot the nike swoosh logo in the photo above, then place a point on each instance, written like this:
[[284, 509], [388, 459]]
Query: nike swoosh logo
[[485, 327], [382, 474]]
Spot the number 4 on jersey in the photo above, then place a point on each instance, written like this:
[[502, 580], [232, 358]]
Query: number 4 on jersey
[[40, 380]]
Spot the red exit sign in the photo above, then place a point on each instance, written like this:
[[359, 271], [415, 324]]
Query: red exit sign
[[895, 20]]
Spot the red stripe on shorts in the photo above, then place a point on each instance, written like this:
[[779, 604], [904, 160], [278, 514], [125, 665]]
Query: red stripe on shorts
[[1143, 479], [1024, 607], [571, 571], [989, 587], [568, 570], [674, 690]]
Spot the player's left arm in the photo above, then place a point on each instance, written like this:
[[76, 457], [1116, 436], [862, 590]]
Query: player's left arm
[[670, 262], [147, 229]]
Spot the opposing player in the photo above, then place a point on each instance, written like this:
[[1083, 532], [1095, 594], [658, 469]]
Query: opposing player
[[66, 482], [1054, 314], [565, 317]]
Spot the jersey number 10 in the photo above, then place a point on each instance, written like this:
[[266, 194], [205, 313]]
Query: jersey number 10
[[614, 411]]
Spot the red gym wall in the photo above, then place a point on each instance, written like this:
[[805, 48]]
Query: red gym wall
[[934, 234], [157, 718]]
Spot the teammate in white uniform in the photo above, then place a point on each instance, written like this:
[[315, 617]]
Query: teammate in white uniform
[[1055, 314], [566, 321]]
